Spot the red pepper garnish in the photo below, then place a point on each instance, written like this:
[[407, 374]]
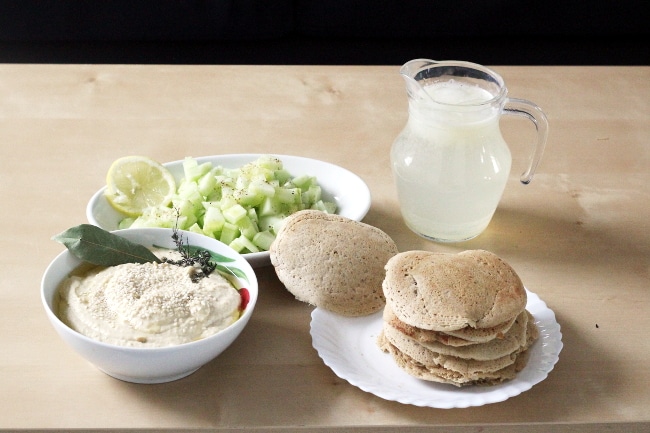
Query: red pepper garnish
[[245, 298]]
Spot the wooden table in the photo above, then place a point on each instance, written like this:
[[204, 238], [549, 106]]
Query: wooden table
[[579, 237]]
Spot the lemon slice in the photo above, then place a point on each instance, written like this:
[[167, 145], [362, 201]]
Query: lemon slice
[[135, 183]]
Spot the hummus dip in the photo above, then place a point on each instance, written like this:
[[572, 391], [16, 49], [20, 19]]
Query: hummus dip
[[147, 305]]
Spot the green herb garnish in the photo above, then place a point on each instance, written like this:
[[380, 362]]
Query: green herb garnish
[[198, 258], [99, 247]]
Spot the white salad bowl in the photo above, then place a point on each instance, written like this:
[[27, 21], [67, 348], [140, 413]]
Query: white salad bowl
[[157, 364], [341, 186]]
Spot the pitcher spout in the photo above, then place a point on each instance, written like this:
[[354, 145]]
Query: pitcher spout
[[412, 72], [412, 68]]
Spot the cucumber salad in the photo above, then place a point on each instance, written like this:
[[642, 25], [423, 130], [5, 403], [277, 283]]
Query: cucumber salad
[[242, 207]]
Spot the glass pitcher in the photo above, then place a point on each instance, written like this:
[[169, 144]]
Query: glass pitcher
[[450, 162]]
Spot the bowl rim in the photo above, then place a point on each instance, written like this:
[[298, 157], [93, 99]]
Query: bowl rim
[[252, 286]]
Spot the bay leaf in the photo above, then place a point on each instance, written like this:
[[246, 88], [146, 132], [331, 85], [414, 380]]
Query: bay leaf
[[100, 247]]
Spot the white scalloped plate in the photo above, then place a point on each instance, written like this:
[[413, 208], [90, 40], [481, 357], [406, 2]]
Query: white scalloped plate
[[348, 345]]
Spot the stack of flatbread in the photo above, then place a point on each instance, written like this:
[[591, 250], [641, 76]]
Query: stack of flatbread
[[456, 318]]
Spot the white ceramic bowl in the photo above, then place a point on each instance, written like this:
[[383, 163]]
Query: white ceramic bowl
[[149, 365], [346, 189]]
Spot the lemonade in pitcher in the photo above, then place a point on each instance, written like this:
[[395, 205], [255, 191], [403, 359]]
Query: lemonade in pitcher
[[451, 163]]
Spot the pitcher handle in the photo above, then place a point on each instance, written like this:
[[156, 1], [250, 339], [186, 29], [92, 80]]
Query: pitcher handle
[[528, 109]]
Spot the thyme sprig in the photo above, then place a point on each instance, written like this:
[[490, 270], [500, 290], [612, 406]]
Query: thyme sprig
[[199, 259]]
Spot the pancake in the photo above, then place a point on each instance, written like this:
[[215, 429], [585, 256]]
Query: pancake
[[438, 373], [514, 340], [462, 337], [448, 292], [482, 335], [332, 262], [420, 361], [423, 355]]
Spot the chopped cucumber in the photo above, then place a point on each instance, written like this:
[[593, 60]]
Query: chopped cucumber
[[271, 223], [263, 240], [247, 227], [213, 221], [243, 207], [229, 233], [193, 170], [242, 245]]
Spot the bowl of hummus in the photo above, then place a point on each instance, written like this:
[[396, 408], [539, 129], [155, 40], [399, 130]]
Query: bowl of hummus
[[157, 321]]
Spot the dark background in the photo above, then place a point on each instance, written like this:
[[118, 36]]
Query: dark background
[[504, 32]]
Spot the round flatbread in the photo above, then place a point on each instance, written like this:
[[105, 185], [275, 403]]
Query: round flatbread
[[426, 362], [447, 292], [462, 337], [332, 262], [473, 374], [515, 340], [467, 367]]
